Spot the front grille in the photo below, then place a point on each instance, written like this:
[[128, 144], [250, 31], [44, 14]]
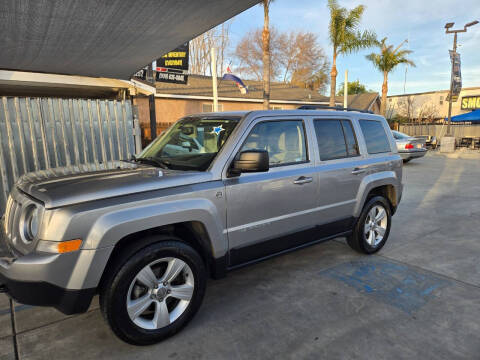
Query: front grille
[[4, 247], [11, 222], [11, 216], [13, 212]]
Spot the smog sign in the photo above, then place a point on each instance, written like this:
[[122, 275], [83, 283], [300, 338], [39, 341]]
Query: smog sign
[[173, 66], [471, 102]]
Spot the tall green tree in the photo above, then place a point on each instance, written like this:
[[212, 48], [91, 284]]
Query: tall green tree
[[266, 54], [346, 37], [386, 61], [354, 87]]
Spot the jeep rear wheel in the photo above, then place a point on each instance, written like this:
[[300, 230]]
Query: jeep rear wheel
[[154, 293], [373, 226]]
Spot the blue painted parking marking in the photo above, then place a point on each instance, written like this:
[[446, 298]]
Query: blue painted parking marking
[[399, 285]]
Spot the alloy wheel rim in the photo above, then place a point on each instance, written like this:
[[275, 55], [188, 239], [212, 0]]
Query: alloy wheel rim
[[375, 225], [160, 293]]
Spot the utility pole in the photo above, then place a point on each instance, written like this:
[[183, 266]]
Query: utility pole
[[448, 26], [214, 79], [266, 55], [345, 90]]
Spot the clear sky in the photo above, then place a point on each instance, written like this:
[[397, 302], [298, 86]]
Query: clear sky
[[421, 21]]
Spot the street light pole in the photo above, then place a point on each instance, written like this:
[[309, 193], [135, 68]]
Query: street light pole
[[448, 26]]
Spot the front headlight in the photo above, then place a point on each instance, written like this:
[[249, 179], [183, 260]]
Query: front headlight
[[29, 225]]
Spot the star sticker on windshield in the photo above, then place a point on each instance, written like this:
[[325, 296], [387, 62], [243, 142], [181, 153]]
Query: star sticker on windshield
[[217, 130]]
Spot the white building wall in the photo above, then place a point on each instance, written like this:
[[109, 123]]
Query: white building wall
[[423, 101]]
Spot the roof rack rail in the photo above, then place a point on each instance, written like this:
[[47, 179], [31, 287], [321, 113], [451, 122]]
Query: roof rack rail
[[338, 108]]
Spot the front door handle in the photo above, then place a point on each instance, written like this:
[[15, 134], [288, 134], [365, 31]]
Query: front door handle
[[303, 180], [357, 171]]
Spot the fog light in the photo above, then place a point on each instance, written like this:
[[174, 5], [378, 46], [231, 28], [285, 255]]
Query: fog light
[[59, 247]]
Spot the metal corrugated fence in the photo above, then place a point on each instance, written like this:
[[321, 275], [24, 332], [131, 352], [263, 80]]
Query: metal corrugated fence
[[458, 130], [44, 133]]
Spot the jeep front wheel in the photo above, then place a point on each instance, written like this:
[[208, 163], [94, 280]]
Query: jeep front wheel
[[155, 293]]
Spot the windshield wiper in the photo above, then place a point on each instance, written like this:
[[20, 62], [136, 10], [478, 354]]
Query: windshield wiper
[[153, 161]]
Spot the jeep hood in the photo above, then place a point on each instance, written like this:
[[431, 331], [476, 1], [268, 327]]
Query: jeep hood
[[77, 184]]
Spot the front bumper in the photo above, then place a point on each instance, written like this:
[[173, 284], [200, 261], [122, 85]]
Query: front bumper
[[46, 294], [34, 279]]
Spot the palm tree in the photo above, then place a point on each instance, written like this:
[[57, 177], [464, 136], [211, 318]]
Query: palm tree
[[345, 37], [266, 54], [386, 61]]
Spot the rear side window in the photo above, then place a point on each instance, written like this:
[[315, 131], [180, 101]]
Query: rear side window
[[350, 139], [335, 139], [375, 136]]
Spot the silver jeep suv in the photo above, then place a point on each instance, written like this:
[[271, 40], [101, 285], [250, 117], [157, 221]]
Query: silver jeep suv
[[215, 192]]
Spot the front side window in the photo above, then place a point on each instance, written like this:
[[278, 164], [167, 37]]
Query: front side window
[[336, 139], [191, 144], [375, 136], [284, 141]]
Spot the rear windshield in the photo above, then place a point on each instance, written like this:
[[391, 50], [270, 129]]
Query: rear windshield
[[375, 136], [398, 135]]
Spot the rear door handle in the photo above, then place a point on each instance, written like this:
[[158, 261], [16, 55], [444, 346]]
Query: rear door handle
[[303, 180], [357, 171]]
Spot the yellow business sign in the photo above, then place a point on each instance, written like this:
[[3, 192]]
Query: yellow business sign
[[471, 102]]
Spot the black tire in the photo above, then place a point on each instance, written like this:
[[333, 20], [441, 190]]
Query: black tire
[[114, 292], [406, 161], [357, 240]]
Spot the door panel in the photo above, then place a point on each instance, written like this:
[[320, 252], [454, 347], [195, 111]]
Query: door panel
[[339, 182], [264, 206]]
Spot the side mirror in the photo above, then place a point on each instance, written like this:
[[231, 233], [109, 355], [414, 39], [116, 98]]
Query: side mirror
[[250, 161]]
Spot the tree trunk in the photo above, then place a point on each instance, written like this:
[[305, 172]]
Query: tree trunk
[[333, 80], [266, 56], [383, 106]]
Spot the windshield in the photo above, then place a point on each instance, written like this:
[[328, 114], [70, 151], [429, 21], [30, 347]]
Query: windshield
[[398, 135], [190, 144]]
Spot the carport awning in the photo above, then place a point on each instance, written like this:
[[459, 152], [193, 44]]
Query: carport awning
[[108, 38], [473, 116]]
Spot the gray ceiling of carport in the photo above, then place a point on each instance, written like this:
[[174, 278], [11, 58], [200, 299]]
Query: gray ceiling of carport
[[107, 38]]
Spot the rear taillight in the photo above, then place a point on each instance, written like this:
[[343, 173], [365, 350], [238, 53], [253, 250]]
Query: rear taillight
[[409, 146]]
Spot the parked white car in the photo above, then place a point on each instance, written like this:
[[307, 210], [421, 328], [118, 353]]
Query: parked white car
[[409, 147]]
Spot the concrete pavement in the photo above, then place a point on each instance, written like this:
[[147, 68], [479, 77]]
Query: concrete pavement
[[417, 298]]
